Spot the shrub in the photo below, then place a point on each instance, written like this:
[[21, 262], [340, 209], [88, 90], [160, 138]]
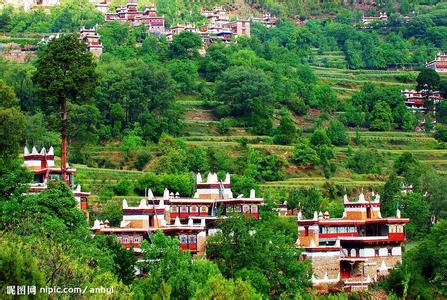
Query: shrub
[[143, 157], [123, 187], [224, 125], [365, 161], [105, 194]]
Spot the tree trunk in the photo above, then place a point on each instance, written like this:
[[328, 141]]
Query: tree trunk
[[64, 140]]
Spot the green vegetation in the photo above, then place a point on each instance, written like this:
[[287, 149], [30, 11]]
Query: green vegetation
[[302, 114]]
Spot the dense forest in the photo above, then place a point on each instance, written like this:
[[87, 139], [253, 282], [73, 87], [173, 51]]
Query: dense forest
[[260, 91]]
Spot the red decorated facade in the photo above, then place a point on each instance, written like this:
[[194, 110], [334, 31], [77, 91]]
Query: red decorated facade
[[42, 165], [192, 220], [354, 250]]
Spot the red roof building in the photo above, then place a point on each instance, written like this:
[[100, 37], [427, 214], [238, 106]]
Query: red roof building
[[354, 250]]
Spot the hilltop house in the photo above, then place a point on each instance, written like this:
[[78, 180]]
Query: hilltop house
[[192, 220], [354, 250], [131, 14], [220, 27]]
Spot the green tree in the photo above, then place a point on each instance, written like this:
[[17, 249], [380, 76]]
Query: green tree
[[337, 133], [326, 97], [55, 203], [247, 244], [417, 209], [428, 79], [304, 154], [391, 195], [409, 121], [165, 263], [365, 161], [215, 62], [12, 123], [124, 259], [220, 288], [308, 200], [441, 133], [243, 185], [381, 117], [405, 164], [184, 72], [65, 73], [247, 93], [285, 133], [185, 45], [131, 141], [113, 213], [18, 266]]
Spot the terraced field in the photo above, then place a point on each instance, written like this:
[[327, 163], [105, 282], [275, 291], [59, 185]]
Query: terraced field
[[389, 144], [331, 68], [346, 82]]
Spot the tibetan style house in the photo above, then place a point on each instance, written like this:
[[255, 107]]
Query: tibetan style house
[[354, 250], [192, 220], [439, 64], [42, 165], [132, 15]]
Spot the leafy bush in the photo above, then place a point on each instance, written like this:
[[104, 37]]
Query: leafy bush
[[105, 194], [365, 161], [123, 187]]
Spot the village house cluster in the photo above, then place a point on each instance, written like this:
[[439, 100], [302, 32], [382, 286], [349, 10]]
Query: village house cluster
[[415, 100], [191, 219], [132, 15], [219, 27], [354, 250]]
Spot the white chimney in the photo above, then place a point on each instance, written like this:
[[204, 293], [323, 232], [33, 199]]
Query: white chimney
[[199, 178], [143, 203], [252, 194], [150, 195], [227, 178], [125, 205], [166, 194], [96, 224]]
